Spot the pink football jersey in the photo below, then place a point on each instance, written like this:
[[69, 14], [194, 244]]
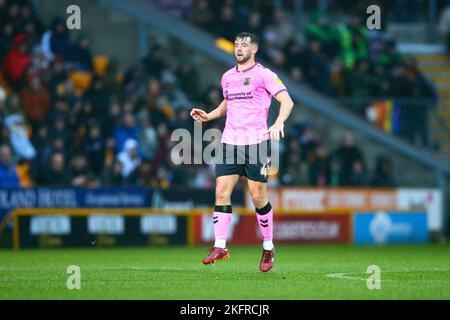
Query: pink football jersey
[[248, 94]]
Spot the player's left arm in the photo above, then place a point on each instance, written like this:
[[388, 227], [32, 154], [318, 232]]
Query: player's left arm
[[286, 105]]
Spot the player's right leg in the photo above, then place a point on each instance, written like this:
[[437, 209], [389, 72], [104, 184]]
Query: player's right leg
[[222, 217]]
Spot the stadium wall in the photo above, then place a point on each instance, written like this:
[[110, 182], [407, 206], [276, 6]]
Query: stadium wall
[[44, 217]]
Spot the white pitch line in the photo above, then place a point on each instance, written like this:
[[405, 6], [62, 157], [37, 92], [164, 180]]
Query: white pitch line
[[342, 275], [346, 276]]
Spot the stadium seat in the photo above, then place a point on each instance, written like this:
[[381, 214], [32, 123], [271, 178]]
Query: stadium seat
[[82, 80], [23, 173], [100, 65]]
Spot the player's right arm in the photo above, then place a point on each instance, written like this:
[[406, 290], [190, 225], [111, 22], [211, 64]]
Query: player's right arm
[[202, 116]]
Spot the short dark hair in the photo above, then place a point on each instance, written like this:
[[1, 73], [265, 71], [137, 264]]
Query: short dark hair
[[253, 37]]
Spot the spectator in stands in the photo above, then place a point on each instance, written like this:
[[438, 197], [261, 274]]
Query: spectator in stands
[[335, 175], [201, 15], [180, 176], [8, 172], [287, 177], [383, 173], [272, 53], [128, 130], [81, 55], [154, 62], [188, 80], [147, 137], [291, 170], [281, 28], [183, 121], [56, 174], [95, 148], [317, 167], [60, 130], [361, 85], [58, 144], [316, 69], [129, 158], [309, 142], [254, 23], [18, 135], [6, 39], [389, 58], [42, 141], [424, 96], [162, 112], [161, 179], [321, 30], [16, 60], [353, 44], [294, 51], [415, 95], [266, 8], [145, 173], [175, 96], [359, 176], [35, 100], [112, 175], [29, 17], [13, 15], [56, 41], [30, 32], [99, 98], [346, 155], [112, 119], [203, 178], [161, 156], [58, 74], [212, 96], [136, 81], [226, 24], [79, 171], [338, 77]]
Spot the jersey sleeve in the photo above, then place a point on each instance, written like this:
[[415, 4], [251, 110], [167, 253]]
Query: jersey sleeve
[[272, 83]]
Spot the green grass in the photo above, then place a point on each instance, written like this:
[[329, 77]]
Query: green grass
[[300, 272]]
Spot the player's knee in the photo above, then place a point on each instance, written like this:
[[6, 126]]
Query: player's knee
[[222, 196], [259, 199]]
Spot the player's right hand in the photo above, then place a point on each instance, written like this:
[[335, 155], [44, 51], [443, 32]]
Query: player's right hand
[[199, 115]]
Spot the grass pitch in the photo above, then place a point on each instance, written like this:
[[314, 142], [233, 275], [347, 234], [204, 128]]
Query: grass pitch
[[175, 273]]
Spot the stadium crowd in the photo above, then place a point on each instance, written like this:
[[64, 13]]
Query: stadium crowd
[[71, 118], [335, 54]]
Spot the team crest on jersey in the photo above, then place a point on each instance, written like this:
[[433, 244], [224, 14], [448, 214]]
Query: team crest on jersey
[[246, 81]]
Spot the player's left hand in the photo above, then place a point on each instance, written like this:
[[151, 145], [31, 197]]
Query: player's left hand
[[276, 130]]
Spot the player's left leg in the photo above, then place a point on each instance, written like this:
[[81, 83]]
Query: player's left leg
[[264, 215]]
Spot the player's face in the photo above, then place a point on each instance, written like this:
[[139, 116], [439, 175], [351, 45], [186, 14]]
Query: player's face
[[244, 50]]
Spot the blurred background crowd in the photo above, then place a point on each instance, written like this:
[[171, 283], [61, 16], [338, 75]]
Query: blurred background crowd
[[69, 117]]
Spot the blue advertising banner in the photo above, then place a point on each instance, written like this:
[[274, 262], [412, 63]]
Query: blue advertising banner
[[11, 198], [390, 227]]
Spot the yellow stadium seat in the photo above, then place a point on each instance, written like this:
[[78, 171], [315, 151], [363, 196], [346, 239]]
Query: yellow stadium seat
[[23, 173], [168, 111], [82, 80], [100, 65], [225, 45]]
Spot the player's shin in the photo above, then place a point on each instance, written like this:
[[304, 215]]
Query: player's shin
[[221, 221], [264, 216]]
